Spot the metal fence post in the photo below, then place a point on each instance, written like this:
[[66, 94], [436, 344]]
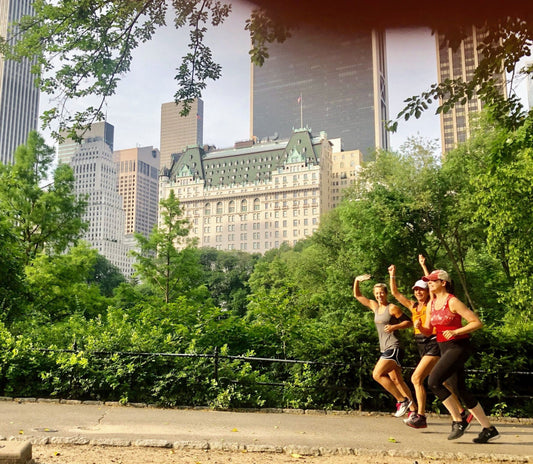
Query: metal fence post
[[360, 382], [216, 363]]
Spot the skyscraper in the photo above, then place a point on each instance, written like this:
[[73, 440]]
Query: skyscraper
[[178, 132], [96, 177], [102, 129], [324, 82], [138, 184], [19, 98], [460, 63]]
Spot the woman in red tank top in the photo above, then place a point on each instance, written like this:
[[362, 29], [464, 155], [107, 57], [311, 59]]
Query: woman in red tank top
[[446, 314]]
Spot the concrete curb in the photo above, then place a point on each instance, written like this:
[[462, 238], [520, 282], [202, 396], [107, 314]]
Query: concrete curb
[[296, 450], [248, 446]]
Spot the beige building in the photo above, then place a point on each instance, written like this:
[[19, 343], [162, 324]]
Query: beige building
[[138, 184], [345, 167], [96, 178], [178, 132], [460, 63], [254, 196]]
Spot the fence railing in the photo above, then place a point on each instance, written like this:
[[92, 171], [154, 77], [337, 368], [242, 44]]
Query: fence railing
[[361, 368]]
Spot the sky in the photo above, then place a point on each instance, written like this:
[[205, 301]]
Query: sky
[[135, 110]]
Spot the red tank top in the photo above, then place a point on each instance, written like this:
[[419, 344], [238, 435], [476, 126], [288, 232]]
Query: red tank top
[[443, 319]]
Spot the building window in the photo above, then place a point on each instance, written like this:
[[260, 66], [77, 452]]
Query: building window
[[231, 207], [257, 204], [244, 206]]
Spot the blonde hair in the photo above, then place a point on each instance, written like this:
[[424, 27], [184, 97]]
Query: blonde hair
[[383, 286]]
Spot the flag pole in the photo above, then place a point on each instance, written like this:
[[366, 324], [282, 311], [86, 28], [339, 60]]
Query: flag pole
[[301, 111]]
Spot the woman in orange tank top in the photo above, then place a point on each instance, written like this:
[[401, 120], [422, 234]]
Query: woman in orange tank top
[[428, 348]]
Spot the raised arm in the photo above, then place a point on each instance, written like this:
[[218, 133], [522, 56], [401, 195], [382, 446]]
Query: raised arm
[[357, 291], [422, 262], [394, 289]]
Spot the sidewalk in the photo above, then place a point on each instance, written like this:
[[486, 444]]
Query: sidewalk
[[305, 432]]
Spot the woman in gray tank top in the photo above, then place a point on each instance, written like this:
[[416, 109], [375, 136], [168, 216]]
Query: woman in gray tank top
[[388, 318]]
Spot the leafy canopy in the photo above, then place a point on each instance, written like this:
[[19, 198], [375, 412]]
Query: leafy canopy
[[82, 48], [44, 215]]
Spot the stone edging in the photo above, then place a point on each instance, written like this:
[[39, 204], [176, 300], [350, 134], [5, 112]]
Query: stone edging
[[289, 449]]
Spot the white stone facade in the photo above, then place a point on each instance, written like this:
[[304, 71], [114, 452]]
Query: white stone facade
[[96, 178], [285, 206]]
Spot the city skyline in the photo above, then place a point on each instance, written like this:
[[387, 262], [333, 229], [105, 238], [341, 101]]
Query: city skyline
[[135, 109]]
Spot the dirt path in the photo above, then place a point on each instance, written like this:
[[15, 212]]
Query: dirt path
[[88, 454]]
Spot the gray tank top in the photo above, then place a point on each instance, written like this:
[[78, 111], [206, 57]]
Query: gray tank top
[[387, 341]]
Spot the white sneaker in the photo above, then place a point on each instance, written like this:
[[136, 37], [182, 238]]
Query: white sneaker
[[402, 407]]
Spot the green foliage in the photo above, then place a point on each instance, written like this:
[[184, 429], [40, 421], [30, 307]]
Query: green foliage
[[197, 66], [82, 49], [106, 276], [264, 30], [12, 284], [505, 43], [43, 218], [59, 285], [160, 263], [226, 276]]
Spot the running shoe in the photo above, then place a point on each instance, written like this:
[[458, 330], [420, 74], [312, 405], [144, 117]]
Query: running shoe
[[416, 421], [486, 435], [466, 417], [458, 429], [402, 407]]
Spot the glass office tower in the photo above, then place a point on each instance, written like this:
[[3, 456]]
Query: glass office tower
[[325, 82]]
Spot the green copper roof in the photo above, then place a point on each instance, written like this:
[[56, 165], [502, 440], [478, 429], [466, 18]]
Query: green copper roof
[[253, 162]]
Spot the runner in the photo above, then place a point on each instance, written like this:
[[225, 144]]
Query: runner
[[427, 345], [428, 348], [388, 318], [445, 314]]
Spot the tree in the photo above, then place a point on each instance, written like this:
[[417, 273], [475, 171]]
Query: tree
[[227, 274], [106, 275], [59, 285], [12, 281], [164, 260], [43, 217], [82, 48], [499, 163]]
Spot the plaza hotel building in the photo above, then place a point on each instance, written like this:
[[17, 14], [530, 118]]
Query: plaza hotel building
[[255, 195]]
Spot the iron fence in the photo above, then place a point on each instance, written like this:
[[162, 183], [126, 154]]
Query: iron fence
[[494, 382]]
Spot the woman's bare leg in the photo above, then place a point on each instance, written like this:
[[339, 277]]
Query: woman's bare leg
[[419, 375]]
